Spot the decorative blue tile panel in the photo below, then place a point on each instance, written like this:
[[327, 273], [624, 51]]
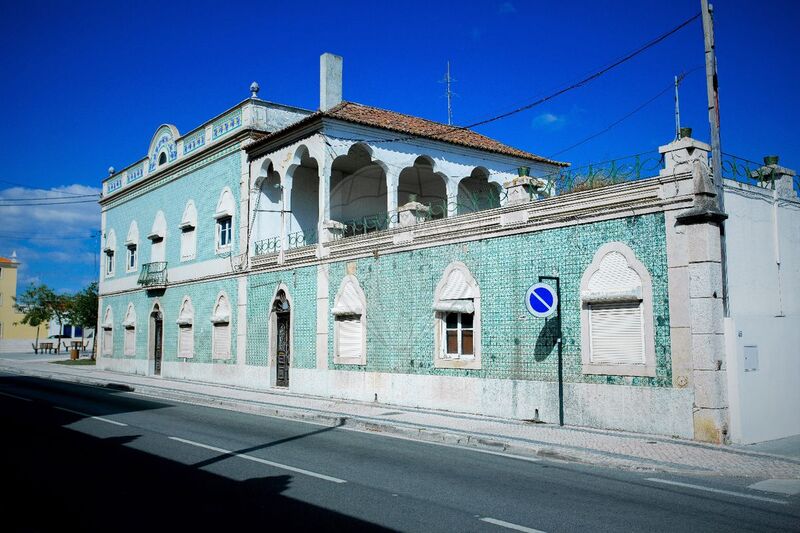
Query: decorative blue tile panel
[[227, 124], [134, 174], [165, 140], [114, 185], [190, 144]]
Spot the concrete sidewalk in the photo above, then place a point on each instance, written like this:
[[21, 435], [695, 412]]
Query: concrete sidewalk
[[598, 447]]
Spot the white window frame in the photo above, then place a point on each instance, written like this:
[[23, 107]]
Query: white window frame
[[158, 238], [185, 322], [643, 297], [459, 329], [131, 263], [224, 233], [446, 302], [221, 321], [226, 207], [108, 250], [188, 227], [350, 304], [129, 332], [107, 339]]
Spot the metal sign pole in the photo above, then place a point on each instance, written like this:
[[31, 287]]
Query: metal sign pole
[[560, 349]]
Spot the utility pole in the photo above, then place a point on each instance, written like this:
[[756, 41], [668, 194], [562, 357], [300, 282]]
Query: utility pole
[[712, 86], [677, 112]]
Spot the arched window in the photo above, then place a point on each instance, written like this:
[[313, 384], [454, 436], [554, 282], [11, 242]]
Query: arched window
[[132, 244], [221, 330], [617, 314], [108, 332], [129, 325], [349, 326], [224, 216], [457, 319], [162, 158], [109, 249], [186, 329], [157, 235], [188, 227]]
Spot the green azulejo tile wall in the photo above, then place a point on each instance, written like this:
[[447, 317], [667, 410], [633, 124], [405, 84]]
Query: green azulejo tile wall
[[203, 297], [399, 290], [301, 288]]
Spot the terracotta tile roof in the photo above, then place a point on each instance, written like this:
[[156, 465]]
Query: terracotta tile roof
[[413, 126], [6, 260]]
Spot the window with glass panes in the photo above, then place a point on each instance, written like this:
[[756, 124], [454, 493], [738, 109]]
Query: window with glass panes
[[132, 257], [224, 226], [459, 335]]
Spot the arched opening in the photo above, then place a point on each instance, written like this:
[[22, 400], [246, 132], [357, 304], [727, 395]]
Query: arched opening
[[266, 212], [162, 158], [420, 183], [476, 192], [280, 321], [156, 338], [303, 176], [358, 192]]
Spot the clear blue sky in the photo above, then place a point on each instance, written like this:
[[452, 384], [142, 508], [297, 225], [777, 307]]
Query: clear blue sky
[[85, 84]]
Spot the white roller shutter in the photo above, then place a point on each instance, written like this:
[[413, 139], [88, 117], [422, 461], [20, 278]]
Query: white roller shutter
[[130, 341], [222, 340], [350, 333], [108, 339], [186, 341], [617, 333]]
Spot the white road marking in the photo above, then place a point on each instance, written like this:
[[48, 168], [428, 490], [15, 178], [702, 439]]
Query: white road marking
[[718, 491], [509, 525], [789, 487], [87, 415], [259, 460], [16, 397]]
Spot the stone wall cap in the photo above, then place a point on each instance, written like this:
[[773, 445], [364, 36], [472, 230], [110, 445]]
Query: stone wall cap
[[680, 144]]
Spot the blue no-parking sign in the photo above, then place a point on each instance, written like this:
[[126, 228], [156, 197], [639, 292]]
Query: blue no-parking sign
[[541, 300]]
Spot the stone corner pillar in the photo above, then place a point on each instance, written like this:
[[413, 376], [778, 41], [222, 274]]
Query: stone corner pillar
[[782, 179], [700, 282], [523, 189]]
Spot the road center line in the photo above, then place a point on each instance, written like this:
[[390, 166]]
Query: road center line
[[509, 525], [87, 415], [718, 491], [16, 397], [259, 460]]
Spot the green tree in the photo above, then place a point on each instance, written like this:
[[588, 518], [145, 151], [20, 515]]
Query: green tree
[[36, 305], [83, 310]]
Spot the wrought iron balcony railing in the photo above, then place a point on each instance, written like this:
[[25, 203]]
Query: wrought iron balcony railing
[[153, 275]]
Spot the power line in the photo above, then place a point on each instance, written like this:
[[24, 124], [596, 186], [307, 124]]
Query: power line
[[628, 115], [15, 184], [447, 130], [48, 203], [43, 198]]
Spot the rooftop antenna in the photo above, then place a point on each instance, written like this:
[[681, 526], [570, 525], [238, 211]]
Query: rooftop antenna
[[449, 93], [678, 80]]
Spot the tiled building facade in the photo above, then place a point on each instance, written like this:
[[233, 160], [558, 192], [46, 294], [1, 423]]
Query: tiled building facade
[[358, 253]]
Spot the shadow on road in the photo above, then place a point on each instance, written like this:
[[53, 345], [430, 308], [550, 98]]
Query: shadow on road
[[57, 479]]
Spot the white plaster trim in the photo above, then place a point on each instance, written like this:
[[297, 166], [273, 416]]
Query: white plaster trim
[[350, 281], [440, 359], [649, 366]]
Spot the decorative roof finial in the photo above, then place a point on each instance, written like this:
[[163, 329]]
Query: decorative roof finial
[[14, 256], [111, 171], [254, 88]]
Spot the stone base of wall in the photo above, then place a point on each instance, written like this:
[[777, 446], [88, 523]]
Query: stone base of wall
[[660, 411]]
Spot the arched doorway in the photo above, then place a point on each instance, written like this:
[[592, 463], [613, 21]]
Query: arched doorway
[[281, 312], [156, 339]]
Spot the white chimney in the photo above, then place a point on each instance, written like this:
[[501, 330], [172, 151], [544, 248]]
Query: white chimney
[[330, 80]]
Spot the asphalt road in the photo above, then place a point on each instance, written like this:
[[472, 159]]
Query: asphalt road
[[79, 458]]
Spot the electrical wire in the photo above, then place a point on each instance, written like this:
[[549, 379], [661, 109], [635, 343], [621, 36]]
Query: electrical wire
[[628, 115], [15, 184], [448, 130], [45, 203], [44, 198]]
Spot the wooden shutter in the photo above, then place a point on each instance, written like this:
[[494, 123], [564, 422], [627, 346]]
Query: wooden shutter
[[349, 335], [130, 342], [616, 333], [222, 340], [185, 341]]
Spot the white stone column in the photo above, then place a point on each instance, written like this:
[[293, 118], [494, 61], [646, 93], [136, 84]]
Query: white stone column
[[324, 207], [392, 185], [452, 196]]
